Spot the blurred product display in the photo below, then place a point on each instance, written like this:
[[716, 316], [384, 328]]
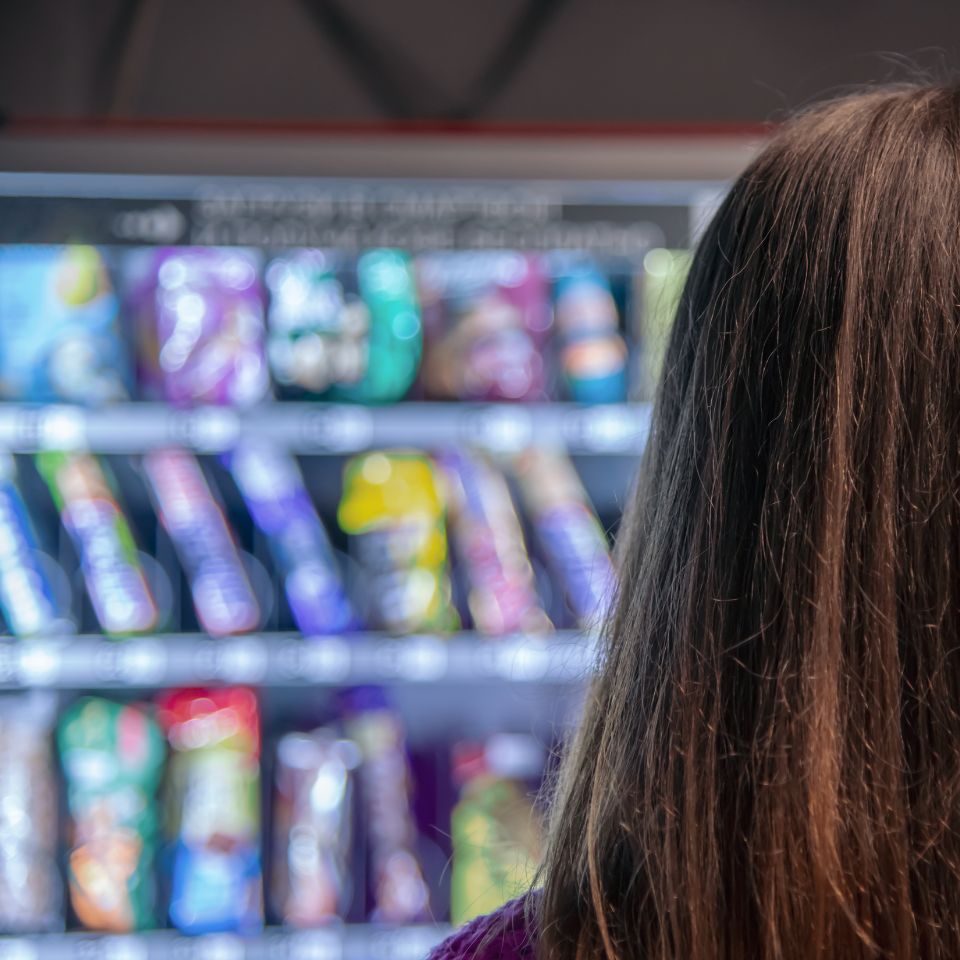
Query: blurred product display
[[306, 517]]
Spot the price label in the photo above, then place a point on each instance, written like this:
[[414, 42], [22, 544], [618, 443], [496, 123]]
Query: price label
[[613, 429], [506, 429], [315, 945], [324, 660], [524, 660], [206, 430], [39, 664], [17, 948], [422, 659], [242, 660], [338, 429]]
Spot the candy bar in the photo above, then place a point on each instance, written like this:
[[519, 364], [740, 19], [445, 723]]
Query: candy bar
[[568, 532], [273, 489], [222, 595], [489, 543], [103, 539], [26, 597], [400, 892], [313, 827], [31, 891]]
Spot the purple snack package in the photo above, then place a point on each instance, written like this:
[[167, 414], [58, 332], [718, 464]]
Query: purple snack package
[[488, 539], [569, 533], [400, 892], [273, 489], [486, 318], [222, 594], [200, 325]]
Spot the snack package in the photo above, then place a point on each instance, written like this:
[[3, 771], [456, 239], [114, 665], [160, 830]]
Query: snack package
[[213, 815], [31, 891], [199, 319], [664, 274], [103, 540], [400, 892], [112, 756], [569, 533], [497, 831], [222, 595], [59, 337], [273, 489], [593, 354], [486, 317], [313, 829], [27, 599], [393, 510], [362, 339], [489, 545]]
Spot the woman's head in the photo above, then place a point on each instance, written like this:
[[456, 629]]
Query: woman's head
[[769, 764]]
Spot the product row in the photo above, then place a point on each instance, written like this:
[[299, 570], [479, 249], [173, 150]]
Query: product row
[[179, 812], [218, 325], [238, 543]]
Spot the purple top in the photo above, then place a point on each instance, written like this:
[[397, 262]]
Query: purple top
[[503, 935]]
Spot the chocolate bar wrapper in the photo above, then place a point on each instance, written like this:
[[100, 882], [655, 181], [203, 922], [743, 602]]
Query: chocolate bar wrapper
[[26, 597], [313, 827], [400, 892], [222, 594], [31, 891], [273, 489], [93, 518], [489, 544], [569, 533]]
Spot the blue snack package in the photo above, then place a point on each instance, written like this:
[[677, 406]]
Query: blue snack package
[[273, 489], [59, 335], [26, 598], [593, 354], [569, 533]]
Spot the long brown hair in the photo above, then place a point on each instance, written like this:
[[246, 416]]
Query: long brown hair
[[769, 763]]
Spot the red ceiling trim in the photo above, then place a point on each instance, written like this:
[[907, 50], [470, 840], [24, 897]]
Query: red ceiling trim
[[85, 126]]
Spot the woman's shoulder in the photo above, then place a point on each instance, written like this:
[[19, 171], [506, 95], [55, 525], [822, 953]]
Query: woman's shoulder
[[504, 935]]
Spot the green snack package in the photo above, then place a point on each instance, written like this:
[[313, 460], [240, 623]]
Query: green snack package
[[496, 829], [112, 756], [93, 518]]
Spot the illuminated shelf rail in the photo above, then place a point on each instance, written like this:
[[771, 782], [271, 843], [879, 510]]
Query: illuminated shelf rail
[[352, 942], [319, 428], [274, 659]]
